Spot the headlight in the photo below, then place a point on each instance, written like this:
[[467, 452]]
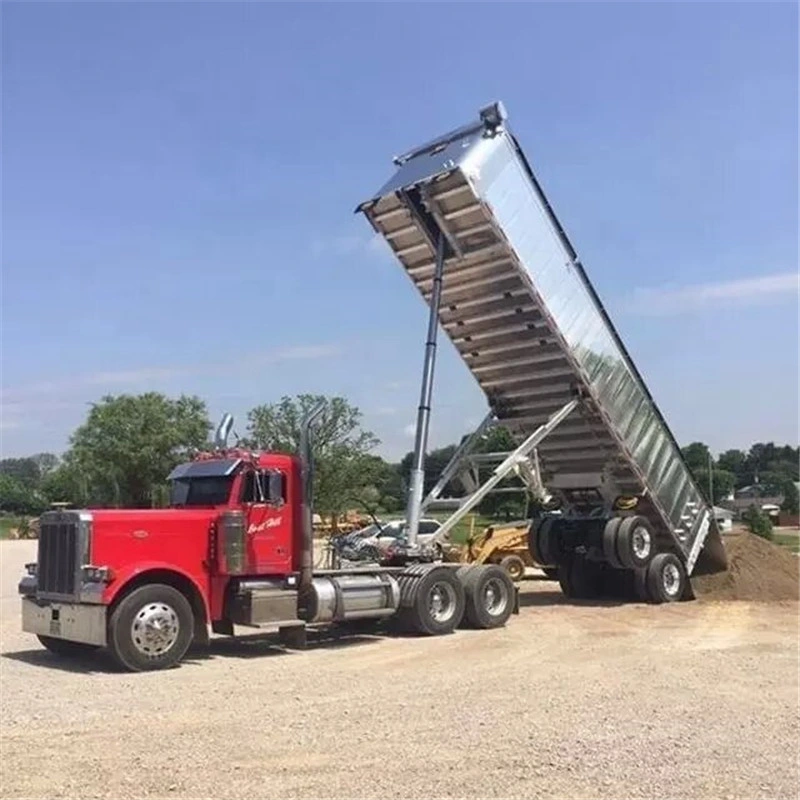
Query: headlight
[[97, 574]]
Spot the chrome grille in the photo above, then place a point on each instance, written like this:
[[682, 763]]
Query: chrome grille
[[62, 549]]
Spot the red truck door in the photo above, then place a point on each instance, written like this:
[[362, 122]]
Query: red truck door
[[267, 522]]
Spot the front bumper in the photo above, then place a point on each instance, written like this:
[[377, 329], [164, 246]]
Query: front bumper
[[73, 621]]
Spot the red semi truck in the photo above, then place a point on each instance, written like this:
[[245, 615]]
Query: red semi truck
[[235, 548]]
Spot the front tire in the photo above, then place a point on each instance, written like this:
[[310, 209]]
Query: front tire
[[67, 648], [151, 628]]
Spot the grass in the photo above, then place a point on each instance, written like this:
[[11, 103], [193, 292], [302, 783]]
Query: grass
[[6, 526], [791, 541], [471, 523]]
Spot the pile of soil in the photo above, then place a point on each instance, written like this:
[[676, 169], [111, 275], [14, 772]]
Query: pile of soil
[[757, 570]]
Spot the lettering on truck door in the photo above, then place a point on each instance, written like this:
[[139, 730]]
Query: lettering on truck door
[[268, 521]]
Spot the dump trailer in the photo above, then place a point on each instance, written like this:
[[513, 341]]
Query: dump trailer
[[469, 223]]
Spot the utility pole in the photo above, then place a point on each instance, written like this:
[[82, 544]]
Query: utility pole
[[710, 478]]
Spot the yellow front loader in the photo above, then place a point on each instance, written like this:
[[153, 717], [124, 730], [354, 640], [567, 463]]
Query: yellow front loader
[[506, 545]]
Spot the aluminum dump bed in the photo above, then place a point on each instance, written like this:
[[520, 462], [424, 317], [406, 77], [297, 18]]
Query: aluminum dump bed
[[519, 308]]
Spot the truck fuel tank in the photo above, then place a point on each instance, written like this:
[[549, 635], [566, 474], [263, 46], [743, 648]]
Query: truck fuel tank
[[335, 598]]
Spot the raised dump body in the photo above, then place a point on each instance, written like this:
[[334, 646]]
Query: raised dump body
[[519, 308]]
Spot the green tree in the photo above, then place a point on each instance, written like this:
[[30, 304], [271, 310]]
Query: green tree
[[46, 463], [734, 461], [129, 443], [17, 497], [696, 455], [723, 483], [758, 522], [791, 498], [66, 484], [24, 470], [343, 465], [435, 462]]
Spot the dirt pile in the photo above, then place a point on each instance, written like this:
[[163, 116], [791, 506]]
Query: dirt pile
[[757, 570]]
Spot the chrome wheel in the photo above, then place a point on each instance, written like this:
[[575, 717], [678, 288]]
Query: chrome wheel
[[442, 601], [495, 597], [671, 579], [155, 629], [642, 543]]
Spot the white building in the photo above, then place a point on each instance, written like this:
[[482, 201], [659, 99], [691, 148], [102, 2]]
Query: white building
[[724, 518]]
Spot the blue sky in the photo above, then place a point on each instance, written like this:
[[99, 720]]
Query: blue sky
[[179, 183]]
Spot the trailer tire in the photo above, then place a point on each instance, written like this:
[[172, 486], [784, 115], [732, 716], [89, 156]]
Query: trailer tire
[[489, 595], [533, 541], [551, 573], [666, 578], [151, 628], [546, 543], [514, 566], [636, 542], [610, 542], [436, 601], [66, 647], [579, 578]]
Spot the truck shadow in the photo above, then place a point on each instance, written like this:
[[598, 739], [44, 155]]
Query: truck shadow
[[268, 645], [556, 598], [98, 662], [256, 646]]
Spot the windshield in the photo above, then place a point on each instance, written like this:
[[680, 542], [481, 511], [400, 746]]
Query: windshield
[[211, 491]]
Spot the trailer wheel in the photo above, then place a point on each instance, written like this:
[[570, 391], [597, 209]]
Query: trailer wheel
[[635, 542], [436, 601], [67, 648], [151, 628], [666, 578], [551, 573], [610, 542], [579, 578], [489, 594], [514, 566]]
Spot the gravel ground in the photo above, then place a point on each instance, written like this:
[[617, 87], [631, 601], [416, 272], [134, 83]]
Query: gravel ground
[[695, 700]]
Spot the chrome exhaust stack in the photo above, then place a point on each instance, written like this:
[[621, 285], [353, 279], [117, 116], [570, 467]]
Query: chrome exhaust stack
[[307, 468], [223, 432]]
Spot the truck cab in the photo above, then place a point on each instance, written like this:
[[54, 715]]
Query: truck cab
[[231, 515]]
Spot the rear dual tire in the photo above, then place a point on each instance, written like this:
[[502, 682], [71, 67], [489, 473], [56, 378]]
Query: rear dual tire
[[542, 544], [436, 601], [489, 594], [628, 542]]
